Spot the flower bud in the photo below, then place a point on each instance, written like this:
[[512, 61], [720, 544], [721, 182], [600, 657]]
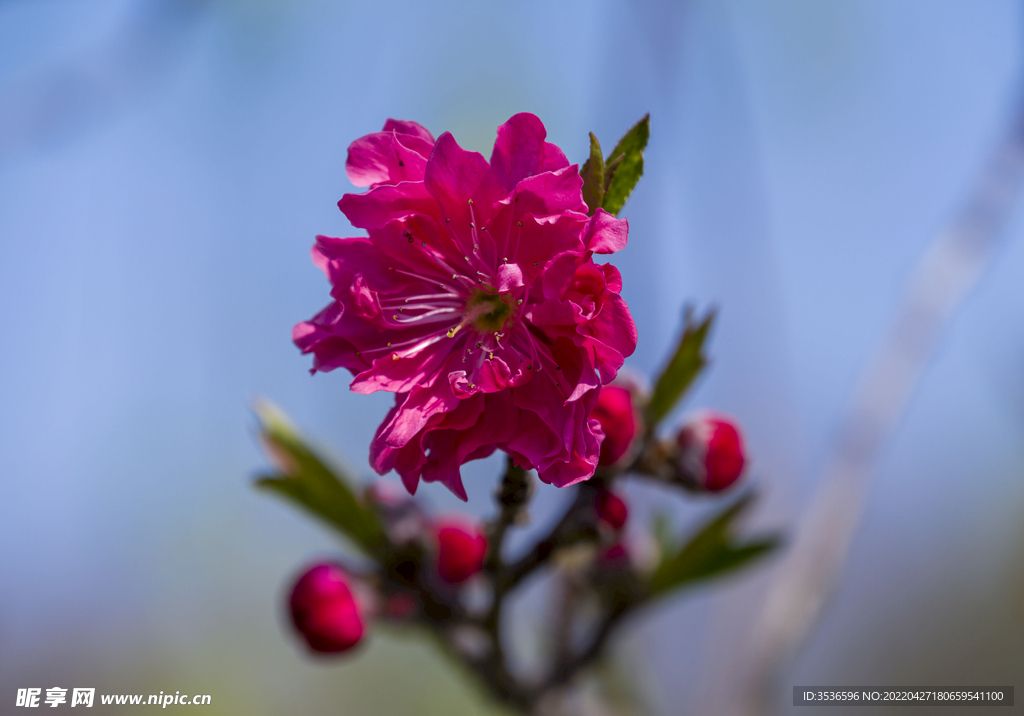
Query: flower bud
[[710, 451], [324, 610], [461, 549], [610, 509], [614, 410]]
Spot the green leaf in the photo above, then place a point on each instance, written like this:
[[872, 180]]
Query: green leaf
[[711, 552], [306, 480], [686, 363], [593, 177], [625, 166]]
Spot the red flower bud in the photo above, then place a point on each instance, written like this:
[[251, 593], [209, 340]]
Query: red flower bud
[[324, 610], [711, 451], [461, 549], [611, 509], [614, 410]]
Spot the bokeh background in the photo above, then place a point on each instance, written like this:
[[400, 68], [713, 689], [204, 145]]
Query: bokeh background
[[165, 165]]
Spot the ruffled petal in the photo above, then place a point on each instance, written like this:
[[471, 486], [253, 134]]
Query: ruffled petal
[[384, 203], [414, 129], [465, 187], [520, 151], [388, 157], [614, 336], [605, 234], [418, 406], [541, 238]]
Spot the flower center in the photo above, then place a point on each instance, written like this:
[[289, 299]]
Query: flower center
[[487, 312]]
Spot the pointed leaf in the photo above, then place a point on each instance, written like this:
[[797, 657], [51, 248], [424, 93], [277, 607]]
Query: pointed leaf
[[711, 552], [625, 165], [593, 177], [306, 480], [683, 367]]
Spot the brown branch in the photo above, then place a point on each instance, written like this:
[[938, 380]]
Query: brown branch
[[566, 670], [573, 527]]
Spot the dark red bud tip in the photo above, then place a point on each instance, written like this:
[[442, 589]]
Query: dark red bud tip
[[324, 610], [614, 410], [461, 549], [611, 509], [711, 450]]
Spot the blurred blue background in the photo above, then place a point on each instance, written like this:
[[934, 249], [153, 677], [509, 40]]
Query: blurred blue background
[[165, 165]]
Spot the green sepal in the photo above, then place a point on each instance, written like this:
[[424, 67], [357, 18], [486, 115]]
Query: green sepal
[[711, 552], [686, 363], [307, 480]]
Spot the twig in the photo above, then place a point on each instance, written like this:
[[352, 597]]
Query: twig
[[567, 669], [568, 530]]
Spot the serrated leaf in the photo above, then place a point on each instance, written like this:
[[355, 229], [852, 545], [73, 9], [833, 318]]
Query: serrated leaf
[[593, 177], [625, 165], [307, 480], [711, 552], [686, 363]]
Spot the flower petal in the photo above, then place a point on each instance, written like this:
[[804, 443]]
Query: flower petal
[[404, 126], [510, 277], [605, 234], [386, 202], [416, 408], [465, 187], [520, 151], [541, 238], [388, 157]]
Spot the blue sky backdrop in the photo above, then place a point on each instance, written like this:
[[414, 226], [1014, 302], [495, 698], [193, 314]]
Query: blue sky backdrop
[[164, 167]]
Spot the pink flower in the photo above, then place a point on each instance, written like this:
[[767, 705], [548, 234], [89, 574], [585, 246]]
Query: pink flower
[[476, 300], [461, 549], [711, 451], [324, 610], [615, 412]]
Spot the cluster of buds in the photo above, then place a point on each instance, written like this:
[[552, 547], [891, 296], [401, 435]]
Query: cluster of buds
[[706, 454], [434, 558]]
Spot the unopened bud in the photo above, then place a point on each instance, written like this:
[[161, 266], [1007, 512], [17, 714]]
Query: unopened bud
[[611, 510], [710, 452], [615, 412], [324, 610], [461, 549]]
